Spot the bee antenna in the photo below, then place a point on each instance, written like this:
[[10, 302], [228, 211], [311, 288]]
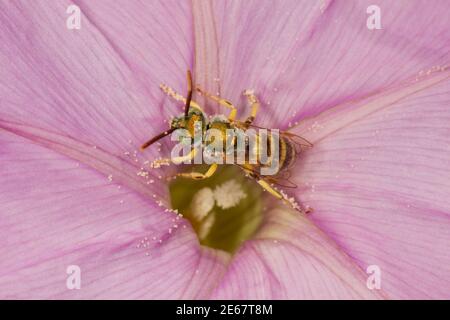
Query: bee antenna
[[186, 112], [189, 94], [156, 138]]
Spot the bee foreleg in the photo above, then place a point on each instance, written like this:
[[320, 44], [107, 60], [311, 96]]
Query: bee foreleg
[[176, 96], [175, 160], [188, 157], [254, 103], [222, 102], [198, 175]]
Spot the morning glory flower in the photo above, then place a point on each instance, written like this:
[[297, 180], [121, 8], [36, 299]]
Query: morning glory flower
[[85, 214]]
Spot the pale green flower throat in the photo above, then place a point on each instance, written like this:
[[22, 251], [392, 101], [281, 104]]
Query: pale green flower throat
[[224, 210]]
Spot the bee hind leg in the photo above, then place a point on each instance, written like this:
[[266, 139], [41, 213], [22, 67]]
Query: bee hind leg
[[267, 187]]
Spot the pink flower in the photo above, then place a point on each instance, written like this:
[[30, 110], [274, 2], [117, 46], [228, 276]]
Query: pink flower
[[76, 104]]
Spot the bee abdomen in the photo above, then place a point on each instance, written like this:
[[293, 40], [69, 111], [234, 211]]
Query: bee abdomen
[[287, 154]]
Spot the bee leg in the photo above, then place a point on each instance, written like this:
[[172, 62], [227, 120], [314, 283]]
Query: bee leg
[[222, 102], [188, 157], [175, 160], [266, 186], [178, 97], [254, 103], [198, 175]]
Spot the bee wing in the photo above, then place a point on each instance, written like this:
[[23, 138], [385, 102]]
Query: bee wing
[[297, 139], [282, 182], [292, 136]]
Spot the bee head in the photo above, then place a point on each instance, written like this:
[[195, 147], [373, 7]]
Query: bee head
[[178, 122], [194, 118], [191, 120]]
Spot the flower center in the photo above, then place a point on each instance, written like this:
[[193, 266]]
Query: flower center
[[224, 210]]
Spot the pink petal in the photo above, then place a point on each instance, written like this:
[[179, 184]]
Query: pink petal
[[56, 213], [303, 57], [293, 259], [153, 38], [319, 55], [96, 87], [81, 97], [53, 94], [378, 181]]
